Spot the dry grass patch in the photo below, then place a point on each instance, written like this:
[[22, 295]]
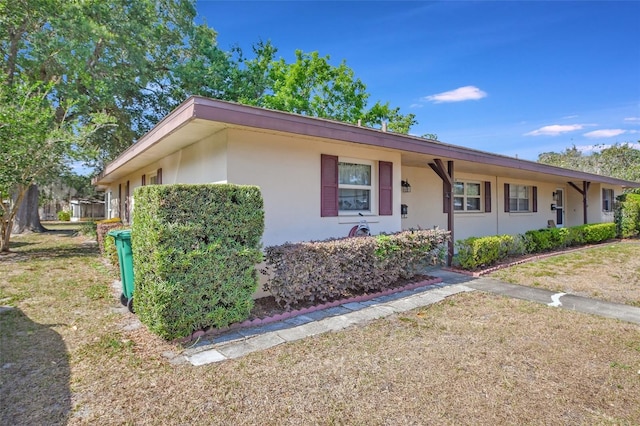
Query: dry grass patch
[[610, 272], [471, 359]]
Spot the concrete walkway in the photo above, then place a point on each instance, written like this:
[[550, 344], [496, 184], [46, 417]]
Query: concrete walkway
[[244, 341]]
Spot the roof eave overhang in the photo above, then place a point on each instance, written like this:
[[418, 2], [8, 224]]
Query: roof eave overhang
[[232, 114]]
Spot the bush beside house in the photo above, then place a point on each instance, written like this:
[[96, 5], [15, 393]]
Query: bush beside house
[[476, 252], [627, 215], [315, 272], [195, 248], [102, 228]]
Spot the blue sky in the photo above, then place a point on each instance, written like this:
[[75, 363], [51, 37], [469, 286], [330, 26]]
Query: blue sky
[[510, 77]]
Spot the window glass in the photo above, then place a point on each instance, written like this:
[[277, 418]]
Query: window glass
[[355, 186], [473, 189], [473, 203], [354, 174], [354, 199], [518, 198], [467, 196], [458, 203]]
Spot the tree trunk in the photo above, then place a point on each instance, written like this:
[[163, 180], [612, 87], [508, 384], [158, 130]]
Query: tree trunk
[[28, 219]]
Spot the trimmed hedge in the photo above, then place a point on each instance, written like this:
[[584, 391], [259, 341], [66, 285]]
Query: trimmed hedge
[[312, 272], [484, 251], [195, 248], [627, 215], [64, 215], [109, 249], [102, 228], [476, 252]]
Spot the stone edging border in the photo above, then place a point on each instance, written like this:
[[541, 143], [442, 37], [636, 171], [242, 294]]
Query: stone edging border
[[294, 313]]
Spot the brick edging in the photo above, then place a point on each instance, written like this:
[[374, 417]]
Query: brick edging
[[294, 313]]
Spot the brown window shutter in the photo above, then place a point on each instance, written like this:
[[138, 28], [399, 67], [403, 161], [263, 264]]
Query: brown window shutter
[[487, 196], [328, 185], [385, 188], [159, 177], [507, 208], [604, 199], [144, 180], [534, 195]]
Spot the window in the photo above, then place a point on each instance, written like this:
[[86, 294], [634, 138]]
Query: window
[[518, 198], [355, 186], [350, 186], [153, 180], [466, 196], [607, 200]]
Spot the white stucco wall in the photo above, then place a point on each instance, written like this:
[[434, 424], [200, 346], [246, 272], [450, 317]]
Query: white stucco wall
[[424, 202], [287, 170]]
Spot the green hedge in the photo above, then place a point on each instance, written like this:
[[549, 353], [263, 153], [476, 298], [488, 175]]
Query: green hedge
[[627, 215], [314, 272], [485, 251], [476, 252], [64, 215], [195, 248]]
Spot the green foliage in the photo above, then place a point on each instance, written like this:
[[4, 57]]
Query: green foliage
[[35, 144], [195, 248], [597, 233], [321, 271], [627, 215], [64, 215], [312, 86], [477, 252], [108, 248], [621, 161], [547, 239]]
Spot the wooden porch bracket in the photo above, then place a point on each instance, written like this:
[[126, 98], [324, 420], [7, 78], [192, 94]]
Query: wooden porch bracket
[[584, 191], [447, 198]]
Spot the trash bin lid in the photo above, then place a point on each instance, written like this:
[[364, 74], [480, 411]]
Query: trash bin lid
[[122, 234]]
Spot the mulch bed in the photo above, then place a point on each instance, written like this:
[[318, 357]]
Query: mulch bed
[[266, 307]]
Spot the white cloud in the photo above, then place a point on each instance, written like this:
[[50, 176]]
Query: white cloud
[[416, 106], [632, 119], [555, 130], [604, 133], [569, 117], [466, 93]]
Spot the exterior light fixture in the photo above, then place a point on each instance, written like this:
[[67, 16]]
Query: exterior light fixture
[[405, 186], [404, 211]]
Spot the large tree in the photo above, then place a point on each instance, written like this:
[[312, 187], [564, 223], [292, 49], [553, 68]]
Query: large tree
[[112, 57], [136, 60], [35, 145], [620, 161]]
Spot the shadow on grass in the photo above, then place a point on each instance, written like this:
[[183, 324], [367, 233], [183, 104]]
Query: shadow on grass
[[34, 385]]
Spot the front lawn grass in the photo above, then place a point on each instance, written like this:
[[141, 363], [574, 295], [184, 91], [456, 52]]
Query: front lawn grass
[[608, 272], [69, 356]]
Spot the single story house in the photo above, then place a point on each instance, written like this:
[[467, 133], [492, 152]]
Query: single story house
[[319, 177]]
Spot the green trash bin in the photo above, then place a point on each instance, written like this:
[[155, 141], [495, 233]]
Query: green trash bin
[[122, 238]]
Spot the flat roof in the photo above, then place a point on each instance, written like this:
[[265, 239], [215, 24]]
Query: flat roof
[[198, 117]]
